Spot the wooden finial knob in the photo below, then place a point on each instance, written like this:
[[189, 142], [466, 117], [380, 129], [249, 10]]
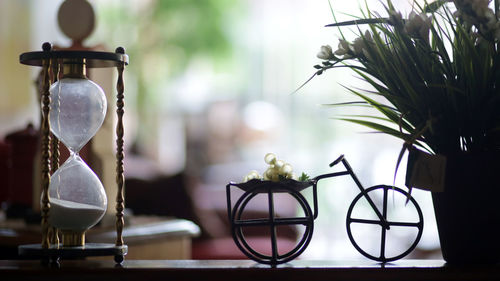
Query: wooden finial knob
[[120, 50], [76, 19], [46, 47]]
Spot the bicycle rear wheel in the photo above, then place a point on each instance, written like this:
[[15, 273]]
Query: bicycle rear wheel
[[380, 196], [238, 224]]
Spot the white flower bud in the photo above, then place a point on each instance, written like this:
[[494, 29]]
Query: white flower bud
[[395, 17], [418, 25], [343, 48], [254, 174], [292, 176], [357, 46], [278, 164], [275, 177], [286, 169], [368, 36], [270, 158], [251, 175], [270, 172], [325, 53], [479, 6]]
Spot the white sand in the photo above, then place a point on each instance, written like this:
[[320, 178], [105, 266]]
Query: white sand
[[68, 215]]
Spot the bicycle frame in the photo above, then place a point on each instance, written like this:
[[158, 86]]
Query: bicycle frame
[[294, 188], [350, 172]]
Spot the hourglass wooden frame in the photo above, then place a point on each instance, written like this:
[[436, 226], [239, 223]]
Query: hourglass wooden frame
[[50, 60]]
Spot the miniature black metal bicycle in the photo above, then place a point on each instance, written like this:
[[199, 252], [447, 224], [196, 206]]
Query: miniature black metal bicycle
[[254, 187]]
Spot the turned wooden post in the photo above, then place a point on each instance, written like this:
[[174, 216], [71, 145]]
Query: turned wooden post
[[120, 206], [45, 147]]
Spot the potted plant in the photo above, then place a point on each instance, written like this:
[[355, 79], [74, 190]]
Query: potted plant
[[437, 72]]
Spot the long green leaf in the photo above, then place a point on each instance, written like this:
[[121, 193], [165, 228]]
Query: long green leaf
[[378, 127], [434, 6], [357, 22]]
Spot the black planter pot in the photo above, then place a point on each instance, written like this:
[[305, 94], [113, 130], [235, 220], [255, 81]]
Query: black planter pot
[[468, 211]]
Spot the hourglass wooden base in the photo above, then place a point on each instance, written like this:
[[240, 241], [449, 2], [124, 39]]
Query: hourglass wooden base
[[54, 253]]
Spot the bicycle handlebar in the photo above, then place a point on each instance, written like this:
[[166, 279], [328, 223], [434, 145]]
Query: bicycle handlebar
[[341, 157], [348, 170]]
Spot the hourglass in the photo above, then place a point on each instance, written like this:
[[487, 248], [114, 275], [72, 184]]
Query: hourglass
[[76, 195], [73, 109]]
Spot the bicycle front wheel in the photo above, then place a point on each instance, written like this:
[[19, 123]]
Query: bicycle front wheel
[[404, 222]]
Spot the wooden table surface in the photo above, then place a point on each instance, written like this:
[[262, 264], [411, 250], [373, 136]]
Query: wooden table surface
[[241, 270], [147, 237], [138, 228]]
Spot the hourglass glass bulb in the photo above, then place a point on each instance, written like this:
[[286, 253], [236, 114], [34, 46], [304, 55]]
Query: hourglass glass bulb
[[77, 197], [78, 107]]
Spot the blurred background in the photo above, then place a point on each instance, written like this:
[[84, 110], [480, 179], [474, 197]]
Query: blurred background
[[209, 91]]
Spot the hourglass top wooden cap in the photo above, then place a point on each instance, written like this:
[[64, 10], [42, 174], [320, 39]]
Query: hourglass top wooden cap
[[76, 19], [93, 59]]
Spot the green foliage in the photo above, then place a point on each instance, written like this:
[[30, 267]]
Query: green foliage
[[439, 75], [175, 30], [162, 38], [197, 27], [304, 177]]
